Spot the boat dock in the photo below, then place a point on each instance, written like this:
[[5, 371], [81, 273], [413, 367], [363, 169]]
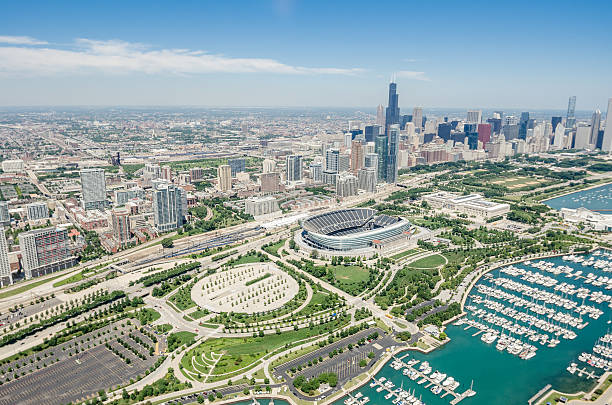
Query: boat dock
[[456, 397]]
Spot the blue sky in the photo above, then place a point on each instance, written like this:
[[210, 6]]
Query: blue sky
[[479, 54]]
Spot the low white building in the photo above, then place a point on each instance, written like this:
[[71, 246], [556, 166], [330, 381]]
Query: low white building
[[12, 166], [257, 206], [591, 219], [472, 204]]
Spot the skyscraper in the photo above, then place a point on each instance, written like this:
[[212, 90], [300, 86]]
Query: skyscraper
[[371, 160], [356, 156], [595, 127], [237, 165], [523, 124], [474, 116], [37, 210], [392, 115], [371, 132], [484, 133], [121, 225], [471, 133], [556, 121], [270, 182], [570, 120], [316, 172], [5, 268], [366, 179], [45, 251], [380, 115], [224, 175], [294, 168], [93, 186], [169, 206], [346, 185], [417, 118], [606, 144], [5, 217], [392, 150], [381, 150]]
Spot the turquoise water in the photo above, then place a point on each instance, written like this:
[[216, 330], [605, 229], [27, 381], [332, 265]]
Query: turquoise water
[[595, 199], [499, 377]]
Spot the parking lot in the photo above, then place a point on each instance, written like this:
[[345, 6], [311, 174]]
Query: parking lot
[[345, 364], [77, 369]]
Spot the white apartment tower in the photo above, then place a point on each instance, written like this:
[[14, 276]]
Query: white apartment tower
[[5, 268], [93, 185]]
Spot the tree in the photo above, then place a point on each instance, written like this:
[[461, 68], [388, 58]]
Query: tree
[[200, 399], [167, 243], [363, 363]]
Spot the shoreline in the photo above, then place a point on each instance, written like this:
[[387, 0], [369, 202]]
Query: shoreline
[[577, 191]]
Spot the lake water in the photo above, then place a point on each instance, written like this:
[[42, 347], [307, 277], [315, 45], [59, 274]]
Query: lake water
[[595, 199], [500, 378]]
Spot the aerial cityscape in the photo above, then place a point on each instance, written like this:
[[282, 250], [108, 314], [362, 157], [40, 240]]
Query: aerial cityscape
[[286, 202]]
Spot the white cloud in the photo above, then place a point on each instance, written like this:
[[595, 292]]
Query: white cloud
[[20, 40], [124, 57], [409, 74]]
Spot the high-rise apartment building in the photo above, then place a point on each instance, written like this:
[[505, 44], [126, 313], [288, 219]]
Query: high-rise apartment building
[[366, 179], [169, 206], [37, 210], [381, 150], [121, 225], [6, 277], [45, 251], [371, 160], [346, 185], [196, 174], [356, 156], [256, 206], [224, 175], [294, 167], [606, 144], [237, 165], [5, 217], [316, 172], [270, 182], [93, 186], [523, 125]]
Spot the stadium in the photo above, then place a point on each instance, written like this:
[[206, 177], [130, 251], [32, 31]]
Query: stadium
[[351, 229]]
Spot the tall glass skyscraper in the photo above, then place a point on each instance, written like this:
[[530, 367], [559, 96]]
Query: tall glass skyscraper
[[570, 120], [392, 151], [393, 112]]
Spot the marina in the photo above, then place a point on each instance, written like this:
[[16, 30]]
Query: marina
[[594, 199], [525, 326]]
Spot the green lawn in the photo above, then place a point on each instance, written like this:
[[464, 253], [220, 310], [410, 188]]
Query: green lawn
[[27, 287], [429, 262], [350, 274], [405, 253], [243, 352], [197, 314], [166, 327], [178, 339], [273, 249]]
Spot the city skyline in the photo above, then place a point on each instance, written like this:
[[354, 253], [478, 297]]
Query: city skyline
[[297, 54]]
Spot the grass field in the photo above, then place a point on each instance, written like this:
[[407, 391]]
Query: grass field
[[429, 262], [273, 249], [27, 287], [227, 355], [350, 274], [405, 253], [197, 314]]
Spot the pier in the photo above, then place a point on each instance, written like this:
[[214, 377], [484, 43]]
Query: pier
[[539, 394], [429, 383]]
